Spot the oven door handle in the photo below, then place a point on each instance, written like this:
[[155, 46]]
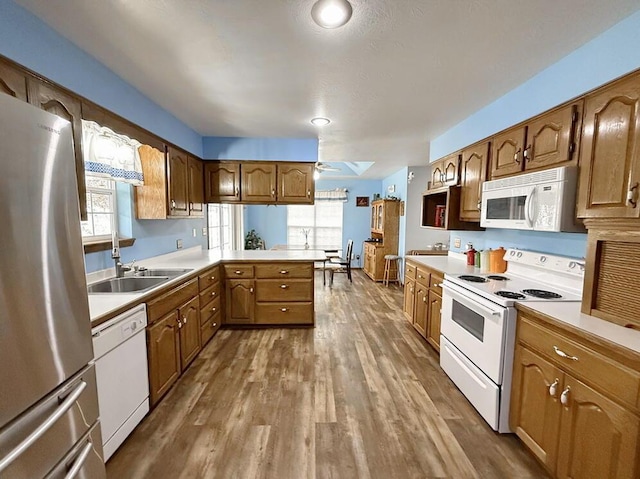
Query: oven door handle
[[465, 299]]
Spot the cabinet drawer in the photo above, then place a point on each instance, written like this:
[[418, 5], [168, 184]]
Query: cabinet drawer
[[435, 283], [284, 270], [209, 310], [410, 271], [423, 276], [238, 271], [209, 328], [158, 307], [284, 290], [209, 294], [209, 277], [284, 313], [591, 367]]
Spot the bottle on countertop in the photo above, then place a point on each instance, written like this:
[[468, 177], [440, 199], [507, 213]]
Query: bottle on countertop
[[485, 260], [471, 254], [478, 254]]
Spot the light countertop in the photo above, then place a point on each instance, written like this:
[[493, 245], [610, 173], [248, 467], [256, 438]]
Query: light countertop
[[453, 263], [103, 305]]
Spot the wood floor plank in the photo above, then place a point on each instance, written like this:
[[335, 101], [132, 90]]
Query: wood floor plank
[[361, 395]]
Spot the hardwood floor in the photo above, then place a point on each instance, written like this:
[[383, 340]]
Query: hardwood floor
[[359, 396]]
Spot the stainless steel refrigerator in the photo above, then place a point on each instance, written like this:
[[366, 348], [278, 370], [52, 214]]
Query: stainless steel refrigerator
[[48, 404]]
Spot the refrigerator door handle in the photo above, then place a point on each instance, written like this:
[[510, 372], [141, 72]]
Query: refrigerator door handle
[[79, 462], [44, 427]]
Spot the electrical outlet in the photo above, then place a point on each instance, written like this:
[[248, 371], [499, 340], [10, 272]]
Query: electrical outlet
[[194, 232], [179, 244], [204, 231], [357, 257], [457, 242]]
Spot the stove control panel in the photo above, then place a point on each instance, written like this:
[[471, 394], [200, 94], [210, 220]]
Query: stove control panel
[[561, 264]]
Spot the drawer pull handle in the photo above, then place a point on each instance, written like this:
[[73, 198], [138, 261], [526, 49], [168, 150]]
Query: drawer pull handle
[[631, 196], [437, 285], [562, 354], [212, 278], [213, 310], [238, 272], [251, 290], [564, 397], [553, 389], [213, 325], [213, 293], [184, 318], [284, 286], [284, 271], [284, 310]]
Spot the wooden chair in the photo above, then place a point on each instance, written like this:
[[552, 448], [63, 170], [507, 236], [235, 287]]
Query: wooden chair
[[341, 265]]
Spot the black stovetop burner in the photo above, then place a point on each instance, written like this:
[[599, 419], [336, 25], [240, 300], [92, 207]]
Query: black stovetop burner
[[510, 295], [541, 293], [495, 277], [473, 279]]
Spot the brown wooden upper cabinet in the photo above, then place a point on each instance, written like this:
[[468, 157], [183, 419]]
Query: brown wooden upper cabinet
[[184, 185], [222, 181], [444, 172], [259, 182], [55, 100], [295, 183], [545, 141], [610, 152], [13, 81], [473, 167]]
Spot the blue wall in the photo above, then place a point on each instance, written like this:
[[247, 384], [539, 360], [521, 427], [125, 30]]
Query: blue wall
[[608, 56], [270, 222], [27, 40], [285, 149], [399, 179]]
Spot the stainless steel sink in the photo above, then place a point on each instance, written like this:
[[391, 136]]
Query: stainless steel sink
[[172, 273], [129, 284]]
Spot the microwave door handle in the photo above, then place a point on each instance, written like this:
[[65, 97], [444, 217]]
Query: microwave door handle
[[528, 203]]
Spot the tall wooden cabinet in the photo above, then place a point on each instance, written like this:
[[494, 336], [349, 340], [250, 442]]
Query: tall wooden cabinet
[[575, 402], [610, 152], [385, 224]]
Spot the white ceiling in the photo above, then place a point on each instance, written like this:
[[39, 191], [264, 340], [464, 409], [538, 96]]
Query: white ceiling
[[400, 73]]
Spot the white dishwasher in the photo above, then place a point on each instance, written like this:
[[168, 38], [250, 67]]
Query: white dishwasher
[[120, 351]]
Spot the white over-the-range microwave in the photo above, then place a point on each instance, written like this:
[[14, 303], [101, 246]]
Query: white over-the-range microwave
[[540, 201]]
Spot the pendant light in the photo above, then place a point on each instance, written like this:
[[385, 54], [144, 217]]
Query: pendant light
[[331, 13]]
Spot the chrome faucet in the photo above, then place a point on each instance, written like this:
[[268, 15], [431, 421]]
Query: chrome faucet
[[115, 254]]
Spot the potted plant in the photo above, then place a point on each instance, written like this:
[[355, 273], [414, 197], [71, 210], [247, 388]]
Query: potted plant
[[253, 241]]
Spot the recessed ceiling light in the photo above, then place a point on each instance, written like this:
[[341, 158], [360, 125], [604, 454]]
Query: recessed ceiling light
[[320, 121], [331, 13]]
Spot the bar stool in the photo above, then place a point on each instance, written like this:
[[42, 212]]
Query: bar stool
[[388, 259]]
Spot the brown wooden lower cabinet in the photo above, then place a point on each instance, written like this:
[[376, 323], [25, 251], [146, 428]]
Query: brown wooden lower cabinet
[[562, 410], [189, 328], [163, 346], [240, 301], [423, 300]]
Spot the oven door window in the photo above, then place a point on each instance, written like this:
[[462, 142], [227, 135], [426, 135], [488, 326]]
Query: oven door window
[[468, 319], [506, 208]]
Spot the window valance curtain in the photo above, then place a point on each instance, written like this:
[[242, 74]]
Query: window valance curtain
[[339, 194], [111, 155]]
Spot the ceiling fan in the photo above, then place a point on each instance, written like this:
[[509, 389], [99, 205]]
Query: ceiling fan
[[320, 167]]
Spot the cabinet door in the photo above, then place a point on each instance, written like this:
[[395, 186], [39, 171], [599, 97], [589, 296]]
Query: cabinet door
[[240, 303], [433, 328], [164, 355], [258, 182], [507, 152], [535, 412], [58, 102], [409, 298], [189, 325], [474, 171], [421, 317], [598, 438], [12, 81], [437, 175], [196, 187], [451, 169], [295, 183], [552, 138], [222, 182], [610, 152], [178, 181]]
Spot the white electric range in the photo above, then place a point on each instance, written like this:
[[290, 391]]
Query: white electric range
[[479, 324]]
